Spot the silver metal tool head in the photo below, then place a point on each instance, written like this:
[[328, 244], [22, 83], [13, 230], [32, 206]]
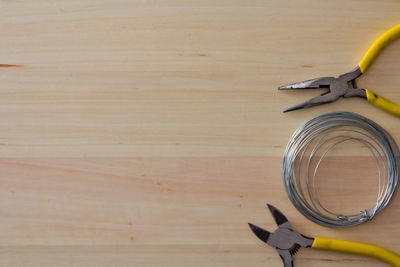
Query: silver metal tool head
[[342, 86], [322, 82], [286, 241], [279, 218]]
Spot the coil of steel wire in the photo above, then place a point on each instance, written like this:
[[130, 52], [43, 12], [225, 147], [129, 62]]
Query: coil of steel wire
[[310, 145]]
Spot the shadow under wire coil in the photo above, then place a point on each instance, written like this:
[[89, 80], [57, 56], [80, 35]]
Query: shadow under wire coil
[[311, 143]]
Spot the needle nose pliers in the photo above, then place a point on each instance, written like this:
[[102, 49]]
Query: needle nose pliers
[[287, 242], [345, 84]]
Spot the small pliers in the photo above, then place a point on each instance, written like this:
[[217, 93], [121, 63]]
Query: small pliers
[[345, 84], [287, 242]]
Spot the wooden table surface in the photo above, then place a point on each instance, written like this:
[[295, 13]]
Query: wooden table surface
[[148, 133]]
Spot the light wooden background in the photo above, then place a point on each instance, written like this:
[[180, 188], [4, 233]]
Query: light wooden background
[[148, 133]]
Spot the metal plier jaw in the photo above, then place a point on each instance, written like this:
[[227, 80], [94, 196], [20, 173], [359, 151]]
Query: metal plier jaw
[[342, 86], [286, 241]]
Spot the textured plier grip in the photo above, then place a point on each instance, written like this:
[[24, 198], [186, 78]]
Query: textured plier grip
[[357, 248], [384, 40], [382, 103]]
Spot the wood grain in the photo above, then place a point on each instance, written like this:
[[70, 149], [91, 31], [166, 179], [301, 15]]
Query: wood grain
[[148, 133]]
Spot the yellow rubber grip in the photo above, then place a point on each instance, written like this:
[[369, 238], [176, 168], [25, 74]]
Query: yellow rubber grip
[[357, 248], [377, 46], [382, 103]]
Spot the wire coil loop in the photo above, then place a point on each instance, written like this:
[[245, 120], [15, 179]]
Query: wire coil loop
[[311, 143]]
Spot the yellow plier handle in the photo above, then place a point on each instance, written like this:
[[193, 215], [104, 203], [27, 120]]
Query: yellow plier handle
[[366, 62], [382, 103], [357, 248], [378, 46]]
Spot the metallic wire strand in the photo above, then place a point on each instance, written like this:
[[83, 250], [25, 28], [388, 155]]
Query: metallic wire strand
[[318, 137]]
